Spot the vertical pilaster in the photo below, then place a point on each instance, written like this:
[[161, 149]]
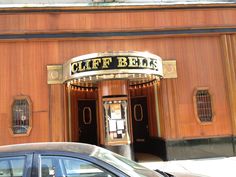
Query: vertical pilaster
[[56, 113], [228, 43], [155, 87]]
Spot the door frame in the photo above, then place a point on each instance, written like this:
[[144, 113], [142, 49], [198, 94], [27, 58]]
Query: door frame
[[148, 121], [97, 118]]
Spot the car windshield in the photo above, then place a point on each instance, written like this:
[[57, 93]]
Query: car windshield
[[129, 167]]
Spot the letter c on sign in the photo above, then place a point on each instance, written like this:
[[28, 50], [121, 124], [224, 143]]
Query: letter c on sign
[[74, 68]]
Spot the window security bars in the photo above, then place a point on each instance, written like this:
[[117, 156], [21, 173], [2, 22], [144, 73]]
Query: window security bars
[[20, 116], [204, 105]]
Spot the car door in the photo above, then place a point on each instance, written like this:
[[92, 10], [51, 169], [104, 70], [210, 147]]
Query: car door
[[61, 164], [15, 164]]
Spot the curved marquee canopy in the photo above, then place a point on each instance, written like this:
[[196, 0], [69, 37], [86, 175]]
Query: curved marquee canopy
[[137, 67]]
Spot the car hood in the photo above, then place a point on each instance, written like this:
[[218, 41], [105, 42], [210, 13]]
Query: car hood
[[176, 168], [208, 167]]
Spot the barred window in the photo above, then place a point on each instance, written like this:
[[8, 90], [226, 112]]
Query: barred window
[[203, 104], [21, 115]]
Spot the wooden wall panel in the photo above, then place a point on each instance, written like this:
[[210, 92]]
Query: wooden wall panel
[[228, 43], [199, 63], [24, 73], [57, 112], [39, 133], [124, 20], [168, 109], [114, 87]]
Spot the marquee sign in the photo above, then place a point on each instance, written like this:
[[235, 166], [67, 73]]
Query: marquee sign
[[137, 67], [112, 65], [114, 62]]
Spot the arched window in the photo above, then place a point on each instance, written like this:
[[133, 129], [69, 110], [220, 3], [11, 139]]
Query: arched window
[[21, 115], [203, 105]]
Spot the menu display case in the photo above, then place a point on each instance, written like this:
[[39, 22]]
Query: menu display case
[[115, 116]]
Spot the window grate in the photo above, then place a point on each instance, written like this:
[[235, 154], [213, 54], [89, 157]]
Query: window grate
[[21, 116], [204, 105]]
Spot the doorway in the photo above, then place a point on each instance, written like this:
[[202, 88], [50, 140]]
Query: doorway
[[87, 113], [140, 124]]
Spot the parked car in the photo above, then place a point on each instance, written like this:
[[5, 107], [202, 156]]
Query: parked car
[[63, 159]]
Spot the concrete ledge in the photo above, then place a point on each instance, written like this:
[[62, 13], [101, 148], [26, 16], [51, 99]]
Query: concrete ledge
[[194, 148]]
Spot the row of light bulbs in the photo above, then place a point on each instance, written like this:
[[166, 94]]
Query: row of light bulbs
[[86, 89], [92, 89], [90, 79], [144, 85]]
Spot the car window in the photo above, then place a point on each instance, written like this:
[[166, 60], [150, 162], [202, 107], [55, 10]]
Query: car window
[[12, 166], [60, 166], [129, 167]]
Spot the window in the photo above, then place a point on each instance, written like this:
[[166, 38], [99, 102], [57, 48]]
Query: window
[[58, 166], [138, 110], [21, 115], [87, 115], [203, 105], [115, 117], [12, 166]]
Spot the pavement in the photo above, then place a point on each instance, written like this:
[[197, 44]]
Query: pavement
[[211, 167]]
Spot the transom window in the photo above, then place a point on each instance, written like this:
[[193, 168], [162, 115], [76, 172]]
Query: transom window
[[21, 115], [203, 105]]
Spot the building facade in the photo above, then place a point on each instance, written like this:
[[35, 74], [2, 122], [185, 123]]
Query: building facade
[[132, 77]]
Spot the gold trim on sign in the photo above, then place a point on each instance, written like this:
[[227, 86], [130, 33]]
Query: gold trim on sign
[[82, 73], [55, 74], [106, 54]]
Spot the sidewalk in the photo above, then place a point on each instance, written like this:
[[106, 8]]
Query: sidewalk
[[212, 167]]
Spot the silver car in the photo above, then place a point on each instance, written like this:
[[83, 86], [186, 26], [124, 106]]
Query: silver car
[[63, 159]]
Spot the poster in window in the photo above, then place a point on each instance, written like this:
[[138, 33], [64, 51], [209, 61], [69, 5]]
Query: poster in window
[[112, 125], [115, 111], [120, 125]]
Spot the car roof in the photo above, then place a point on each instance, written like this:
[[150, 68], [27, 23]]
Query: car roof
[[51, 146]]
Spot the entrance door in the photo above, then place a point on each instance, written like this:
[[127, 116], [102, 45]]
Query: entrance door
[[140, 123], [87, 121]]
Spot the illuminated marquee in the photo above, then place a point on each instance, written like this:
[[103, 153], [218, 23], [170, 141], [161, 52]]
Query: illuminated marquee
[[114, 62], [137, 67]]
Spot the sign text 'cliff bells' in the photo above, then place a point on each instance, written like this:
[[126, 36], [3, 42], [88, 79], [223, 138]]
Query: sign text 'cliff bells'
[[113, 62]]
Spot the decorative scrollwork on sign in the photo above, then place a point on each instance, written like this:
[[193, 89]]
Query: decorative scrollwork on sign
[[169, 69], [55, 74]]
